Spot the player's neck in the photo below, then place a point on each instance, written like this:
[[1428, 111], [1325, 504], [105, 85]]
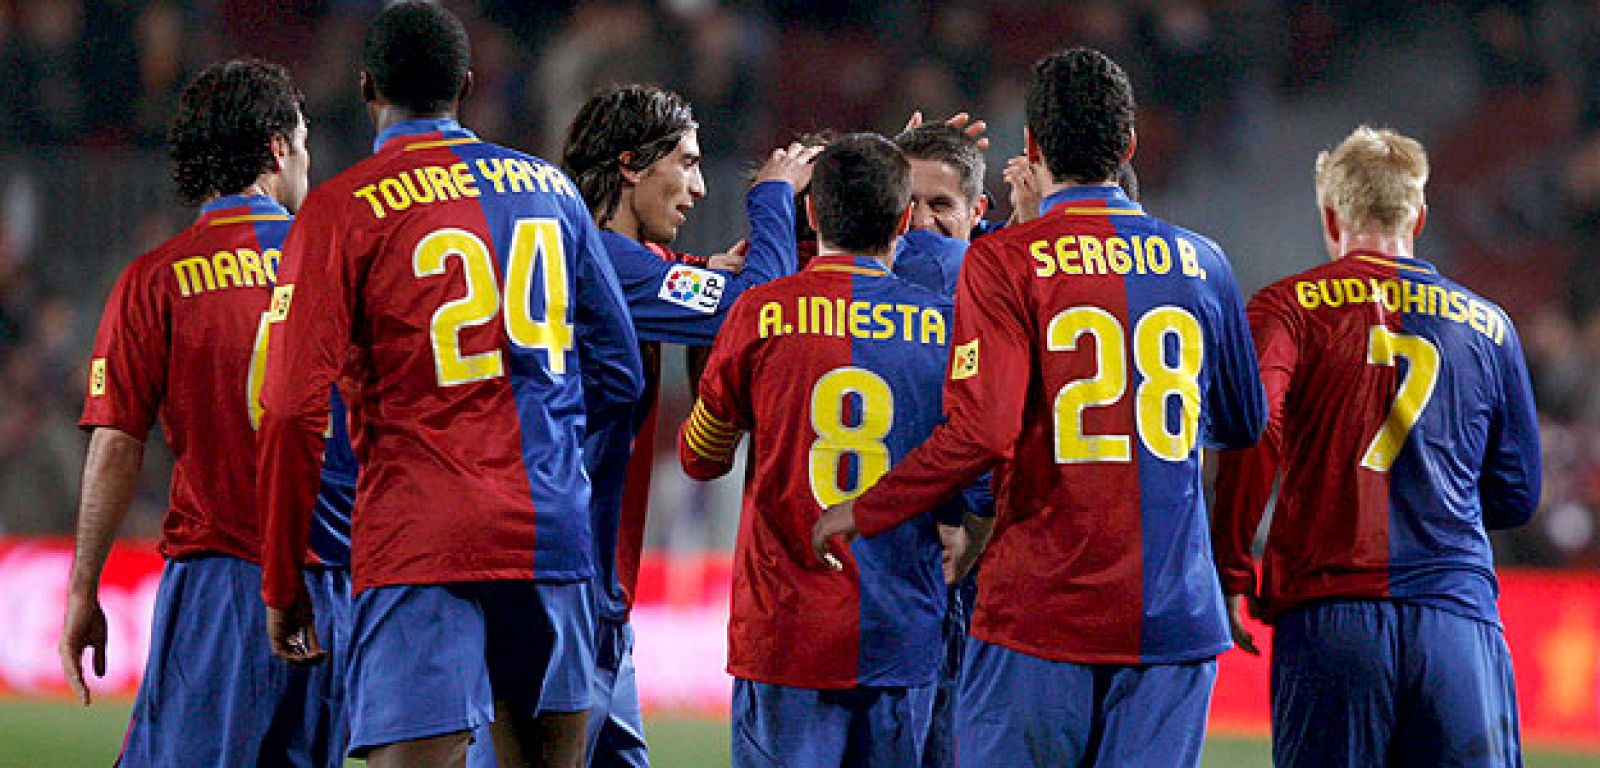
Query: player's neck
[[624, 222], [1388, 244], [884, 257], [1059, 186], [386, 116]]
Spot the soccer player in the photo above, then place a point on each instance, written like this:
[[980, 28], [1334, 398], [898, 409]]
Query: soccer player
[[460, 293], [1095, 350], [834, 370], [1403, 426], [180, 342], [634, 152]]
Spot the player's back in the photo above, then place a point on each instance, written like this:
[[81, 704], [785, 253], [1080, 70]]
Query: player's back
[[464, 266], [1409, 419], [844, 368], [179, 341], [1136, 354]]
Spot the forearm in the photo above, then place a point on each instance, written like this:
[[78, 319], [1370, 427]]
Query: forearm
[[110, 479], [773, 252], [932, 474]]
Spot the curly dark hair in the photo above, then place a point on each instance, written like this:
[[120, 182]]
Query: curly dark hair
[[1081, 110], [417, 54], [645, 120], [859, 188], [221, 139], [949, 145]]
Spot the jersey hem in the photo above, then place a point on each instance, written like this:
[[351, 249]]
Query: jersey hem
[[1071, 657], [492, 574], [835, 684]]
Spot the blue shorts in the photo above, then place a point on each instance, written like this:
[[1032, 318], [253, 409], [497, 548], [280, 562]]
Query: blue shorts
[[616, 724], [213, 694], [940, 751], [1020, 710], [776, 726], [433, 659], [324, 728], [1372, 682]]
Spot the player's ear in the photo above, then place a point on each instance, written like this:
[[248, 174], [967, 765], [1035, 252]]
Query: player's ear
[[1133, 144], [811, 214], [281, 149], [1422, 220], [466, 88], [1330, 224], [369, 88], [905, 220], [630, 174], [980, 207], [1032, 146]]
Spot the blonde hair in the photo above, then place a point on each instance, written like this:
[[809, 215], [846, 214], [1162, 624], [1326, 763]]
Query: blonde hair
[[1373, 180]]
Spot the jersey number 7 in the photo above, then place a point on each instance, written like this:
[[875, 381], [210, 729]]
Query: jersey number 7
[[1416, 389]]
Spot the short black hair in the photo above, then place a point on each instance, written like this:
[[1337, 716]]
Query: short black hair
[[1081, 111], [645, 120], [860, 187], [949, 145], [221, 139], [417, 54]]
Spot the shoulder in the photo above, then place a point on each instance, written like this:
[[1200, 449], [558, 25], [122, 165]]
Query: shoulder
[[912, 293]]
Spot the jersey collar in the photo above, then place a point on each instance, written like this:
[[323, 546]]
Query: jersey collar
[[1092, 199], [1402, 263], [845, 262], [446, 127], [239, 208]]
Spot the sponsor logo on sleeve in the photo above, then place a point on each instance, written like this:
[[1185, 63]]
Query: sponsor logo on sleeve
[[282, 296], [964, 363], [97, 377], [692, 287]]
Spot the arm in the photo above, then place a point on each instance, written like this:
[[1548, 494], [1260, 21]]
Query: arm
[[1235, 409], [309, 326], [710, 436], [608, 349], [991, 363], [110, 478], [1245, 477], [1511, 481]]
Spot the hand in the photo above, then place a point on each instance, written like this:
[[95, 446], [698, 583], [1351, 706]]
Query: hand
[[85, 627], [1027, 191], [973, 128], [791, 164], [294, 634], [1241, 635], [731, 260], [839, 520], [958, 556]]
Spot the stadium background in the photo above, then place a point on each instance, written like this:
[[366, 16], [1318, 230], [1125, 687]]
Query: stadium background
[[1235, 100]]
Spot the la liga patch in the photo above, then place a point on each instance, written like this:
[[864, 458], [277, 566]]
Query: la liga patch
[[692, 287]]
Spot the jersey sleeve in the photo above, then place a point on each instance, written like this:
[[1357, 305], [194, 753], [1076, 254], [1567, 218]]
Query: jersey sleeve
[[1511, 481], [678, 303], [309, 326], [722, 413], [991, 360], [128, 368], [1245, 477], [1235, 407], [608, 349]]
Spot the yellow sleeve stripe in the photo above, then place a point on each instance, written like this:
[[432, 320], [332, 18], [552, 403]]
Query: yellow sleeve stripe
[[714, 426], [697, 430], [704, 451], [708, 436]]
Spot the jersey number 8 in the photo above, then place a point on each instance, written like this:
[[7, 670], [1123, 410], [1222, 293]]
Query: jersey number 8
[[835, 438], [1162, 380]]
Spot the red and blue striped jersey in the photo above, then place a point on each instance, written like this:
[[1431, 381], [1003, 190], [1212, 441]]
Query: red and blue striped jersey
[[1403, 424], [672, 298], [460, 293], [835, 371], [1096, 349]]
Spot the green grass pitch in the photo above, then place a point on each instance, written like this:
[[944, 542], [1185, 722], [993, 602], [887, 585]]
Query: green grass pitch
[[55, 734]]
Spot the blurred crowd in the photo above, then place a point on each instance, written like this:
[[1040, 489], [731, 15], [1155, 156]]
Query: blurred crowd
[[87, 88]]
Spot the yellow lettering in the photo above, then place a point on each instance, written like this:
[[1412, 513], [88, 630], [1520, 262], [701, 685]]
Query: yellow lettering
[[394, 195], [439, 182], [495, 171], [1066, 251], [1456, 308], [880, 315], [821, 310], [1416, 297], [908, 312], [518, 175], [270, 260], [1355, 291], [1189, 258], [932, 327], [250, 268], [1118, 260], [227, 269], [1389, 292], [858, 319], [839, 317], [1479, 317], [1160, 257], [419, 196], [194, 275], [1309, 296], [1090, 248], [1436, 300], [369, 193], [1041, 253], [1096, 264], [771, 321], [465, 182], [1328, 292]]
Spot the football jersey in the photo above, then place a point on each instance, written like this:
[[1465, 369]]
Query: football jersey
[[460, 292], [835, 370], [1095, 350], [1403, 424], [672, 298]]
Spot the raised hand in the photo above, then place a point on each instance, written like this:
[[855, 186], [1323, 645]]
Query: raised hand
[[791, 164]]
